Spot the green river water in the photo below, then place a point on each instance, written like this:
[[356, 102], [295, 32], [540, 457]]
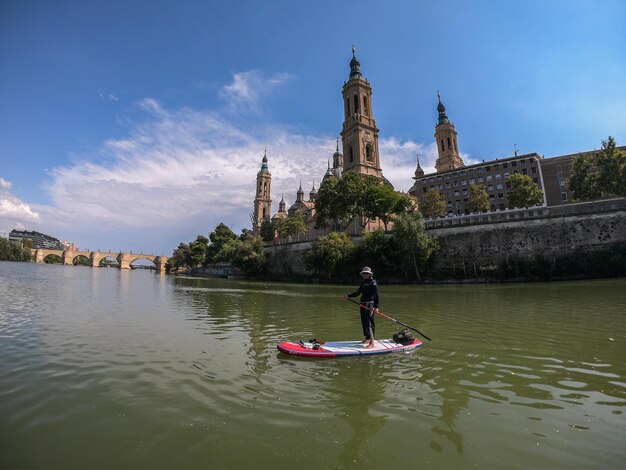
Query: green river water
[[107, 369]]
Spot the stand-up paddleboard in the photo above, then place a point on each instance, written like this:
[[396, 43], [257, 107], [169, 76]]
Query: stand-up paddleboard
[[345, 348]]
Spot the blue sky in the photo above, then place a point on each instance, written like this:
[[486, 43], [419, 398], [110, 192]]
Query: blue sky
[[134, 125]]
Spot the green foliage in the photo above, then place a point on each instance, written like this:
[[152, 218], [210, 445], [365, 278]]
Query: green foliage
[[198, 251], [478, 199], [433, 205], [218, 237], [11, 251], [524, 191], [330, 254], [246, 254], [381, 201], [267, 230], [293, 226], [81, 260], [180, 257], [607, 262], [413, 241], [378, 251], [599, 174], [356, 198], [53, 259]]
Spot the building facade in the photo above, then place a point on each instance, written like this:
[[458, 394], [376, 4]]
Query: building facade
[[39, 240]]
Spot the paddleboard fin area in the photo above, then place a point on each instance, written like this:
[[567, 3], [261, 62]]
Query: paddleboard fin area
[[314, 348]]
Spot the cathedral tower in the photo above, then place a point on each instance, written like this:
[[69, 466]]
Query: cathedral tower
[[262, 200], [359, 134], [445, 136]]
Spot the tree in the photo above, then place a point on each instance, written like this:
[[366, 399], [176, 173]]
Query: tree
[[180, 257], [344, 200], [292, 226], [433, 205], [599, 174], [478, 199], [382, 202], [221, 235], [329, 253], [378, 250], [267, 230], [198, 251], [15, 251], [524, 191], [411, 237], [247, 254]]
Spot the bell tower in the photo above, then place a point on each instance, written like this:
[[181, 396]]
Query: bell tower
[[445, 137], [359, 134], [262, 200]]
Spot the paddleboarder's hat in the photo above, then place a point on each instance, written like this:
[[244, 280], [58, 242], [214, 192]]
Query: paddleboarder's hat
[[366, 270]]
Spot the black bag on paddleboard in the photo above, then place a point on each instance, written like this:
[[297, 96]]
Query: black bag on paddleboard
[[403, 337]]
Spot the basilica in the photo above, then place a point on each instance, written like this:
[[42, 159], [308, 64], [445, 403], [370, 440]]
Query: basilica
[[452, 178]]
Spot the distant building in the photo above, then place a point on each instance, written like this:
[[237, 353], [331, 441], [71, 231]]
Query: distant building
[[39, 240]]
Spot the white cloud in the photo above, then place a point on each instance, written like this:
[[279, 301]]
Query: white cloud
[[14, 213], [247, 88]]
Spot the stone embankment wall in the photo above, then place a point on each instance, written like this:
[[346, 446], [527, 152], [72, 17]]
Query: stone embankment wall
[[474, 248], [490, 244]]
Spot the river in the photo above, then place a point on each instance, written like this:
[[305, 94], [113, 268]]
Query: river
[[102, 368]]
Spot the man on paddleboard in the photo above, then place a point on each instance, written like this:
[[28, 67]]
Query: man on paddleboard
[[370, 298]]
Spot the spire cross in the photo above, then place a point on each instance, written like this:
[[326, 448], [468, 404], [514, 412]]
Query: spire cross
[[353, 52], [438, 96]]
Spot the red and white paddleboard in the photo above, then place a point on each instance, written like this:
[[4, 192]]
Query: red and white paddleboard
[[345, 348]]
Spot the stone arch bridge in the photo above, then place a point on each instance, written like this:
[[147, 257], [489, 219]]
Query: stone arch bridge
[[124, 259]]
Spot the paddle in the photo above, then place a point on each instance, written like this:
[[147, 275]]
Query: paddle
[[389, 318]]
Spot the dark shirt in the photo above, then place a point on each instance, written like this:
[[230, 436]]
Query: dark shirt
[[369, 292]]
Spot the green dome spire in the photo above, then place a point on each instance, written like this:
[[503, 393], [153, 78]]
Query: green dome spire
[[355, 67], [443, 119]]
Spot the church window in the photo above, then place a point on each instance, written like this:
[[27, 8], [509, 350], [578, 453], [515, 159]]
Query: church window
[[449, 146], [347, 106], [442, 146], [260, 189], [455, 147], [265, 189], [264, 212], [356, 104], [368, 153], [365, 108], [351, 154]]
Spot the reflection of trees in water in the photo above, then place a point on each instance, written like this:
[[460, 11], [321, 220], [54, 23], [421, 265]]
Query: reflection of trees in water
[[355, 394]]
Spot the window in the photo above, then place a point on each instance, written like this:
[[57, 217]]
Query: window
[[487, 168], [347, 106], [448, 185], [463, 182], [351, 154], [522, 162], [498, 176], [533, 170], [501, 207], [368, 153], [456, 183], [506, 174], [465, 191], [491, 196], [505, 165], [449, 145], [499, 186], [356, 104], [524, 171], [480, 170], [500, 196], [442, 146], [508, 185], [490, 187], [440, 186], [472, 181], [438, 178], [480, 179], [365, 106], [447, 177], [489, 177], [449, 203], [564, 196], [456, 193], [513, 163]]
